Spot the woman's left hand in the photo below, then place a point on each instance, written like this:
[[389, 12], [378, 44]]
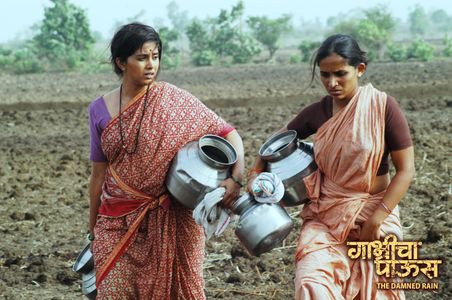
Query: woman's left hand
[[370, 230], [232, 192]]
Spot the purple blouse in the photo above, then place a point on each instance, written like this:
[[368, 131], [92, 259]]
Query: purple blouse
[[98, 120]]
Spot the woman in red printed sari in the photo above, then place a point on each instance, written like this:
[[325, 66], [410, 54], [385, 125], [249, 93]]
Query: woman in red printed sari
[[352, 197], [146, 246]]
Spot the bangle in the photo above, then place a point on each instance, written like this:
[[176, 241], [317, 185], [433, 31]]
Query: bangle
[[90, 237], [236, 180], [254, 171], [386, 208]]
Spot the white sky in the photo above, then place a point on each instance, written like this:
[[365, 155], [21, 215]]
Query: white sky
[[17, 16]]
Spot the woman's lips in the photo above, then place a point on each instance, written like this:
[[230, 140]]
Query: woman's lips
[[334, 92]]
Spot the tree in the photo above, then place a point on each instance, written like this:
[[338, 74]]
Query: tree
[[418, 21], [268, 31], [64, 33], [198, 35], [138, 17], [441, 20], [179, 19], [170, 58], [221, 38], [374, 31]]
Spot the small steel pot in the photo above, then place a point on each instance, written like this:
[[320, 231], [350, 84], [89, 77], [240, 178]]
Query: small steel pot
[[85, 261], [89, 284], [261, 227], [291, 161]]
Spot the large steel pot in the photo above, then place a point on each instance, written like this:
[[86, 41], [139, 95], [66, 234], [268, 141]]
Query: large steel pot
[[198, 168], [261, 226], [291, 161]]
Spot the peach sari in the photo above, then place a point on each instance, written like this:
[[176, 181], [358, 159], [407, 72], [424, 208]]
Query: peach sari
[[348, 150]]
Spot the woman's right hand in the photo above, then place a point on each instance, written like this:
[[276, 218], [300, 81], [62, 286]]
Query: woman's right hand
[[250, 179]]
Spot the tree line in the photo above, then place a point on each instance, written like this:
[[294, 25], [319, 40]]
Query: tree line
[[64, 40]]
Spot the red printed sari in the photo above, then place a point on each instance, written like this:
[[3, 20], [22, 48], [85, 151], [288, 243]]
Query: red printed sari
[[145, 246], [348, 150]]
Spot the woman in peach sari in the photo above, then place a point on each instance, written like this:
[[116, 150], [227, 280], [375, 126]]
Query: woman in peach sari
[[352, 197], [146, 246]]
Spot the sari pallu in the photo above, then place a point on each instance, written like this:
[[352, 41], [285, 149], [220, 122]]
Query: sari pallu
[[145, 248], [348, 150]]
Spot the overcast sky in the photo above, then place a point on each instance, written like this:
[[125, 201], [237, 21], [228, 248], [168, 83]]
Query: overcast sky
[[17, 16]]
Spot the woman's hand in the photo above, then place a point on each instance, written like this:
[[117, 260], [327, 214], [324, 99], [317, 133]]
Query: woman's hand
[[232, 192], [370, 230], [250, 180]]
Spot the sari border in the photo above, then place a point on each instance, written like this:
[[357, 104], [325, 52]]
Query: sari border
[[134, 100], [128, 188]]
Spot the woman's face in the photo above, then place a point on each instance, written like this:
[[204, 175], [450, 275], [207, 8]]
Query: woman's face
[[339, 78], [142, 66]]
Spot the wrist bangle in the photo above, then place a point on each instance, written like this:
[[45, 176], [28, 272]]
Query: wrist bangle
[[235, 179], [254, 171], [385, 207], [90, 237]]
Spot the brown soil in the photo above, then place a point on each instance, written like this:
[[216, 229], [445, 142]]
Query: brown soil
[[44, 169]]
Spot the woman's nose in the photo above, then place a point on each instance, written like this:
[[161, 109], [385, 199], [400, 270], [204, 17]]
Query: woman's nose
[[332, 82], [149, 64]]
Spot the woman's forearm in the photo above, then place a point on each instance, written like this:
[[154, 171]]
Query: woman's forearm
[[95, 191], [397, 188], [236, 141], [94, 203]]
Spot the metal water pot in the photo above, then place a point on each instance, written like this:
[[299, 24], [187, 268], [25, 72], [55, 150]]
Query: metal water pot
[[198, 168], [85, 264], [261, 227], [89, 284], [291, 161]]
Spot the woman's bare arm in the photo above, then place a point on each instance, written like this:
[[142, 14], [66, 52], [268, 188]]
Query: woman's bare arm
[[95, 190], [404, 164], [232, 187]]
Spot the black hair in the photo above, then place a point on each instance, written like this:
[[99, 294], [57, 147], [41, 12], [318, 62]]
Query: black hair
[[128, 39], [343, 45]]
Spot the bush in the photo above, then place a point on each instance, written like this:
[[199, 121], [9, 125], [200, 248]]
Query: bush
[[307, 48], [295, 59], [397, 53], [204, 58], [26, 62], [172, 61], [447, 51], [245, 50], [6, 61], [419, 49], [5, 52]]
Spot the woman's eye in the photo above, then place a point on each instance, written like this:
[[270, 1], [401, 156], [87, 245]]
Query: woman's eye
[[324, 74]]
